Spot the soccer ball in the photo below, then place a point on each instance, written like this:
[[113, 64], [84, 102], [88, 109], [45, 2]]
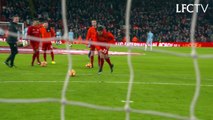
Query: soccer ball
[[43, 64], [88, 65], [72, 73], [25, 43]]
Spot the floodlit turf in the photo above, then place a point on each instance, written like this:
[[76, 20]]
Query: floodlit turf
[[108, 89]]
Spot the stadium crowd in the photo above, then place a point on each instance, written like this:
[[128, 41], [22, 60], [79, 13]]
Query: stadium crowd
[[159, 15]]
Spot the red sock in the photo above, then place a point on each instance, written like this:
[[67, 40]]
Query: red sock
[[102, 63], [45, 56], [52, 55], [33, 58], [37, 55], [108, 61], [91, 60]]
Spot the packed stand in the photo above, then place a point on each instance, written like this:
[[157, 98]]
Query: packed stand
[[159, 15]]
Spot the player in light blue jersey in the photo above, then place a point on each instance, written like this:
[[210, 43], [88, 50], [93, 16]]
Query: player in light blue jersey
[[150, 36], [71, 37], [58, 35]]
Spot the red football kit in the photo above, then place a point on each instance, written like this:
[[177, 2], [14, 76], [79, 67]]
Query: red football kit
[[106, 37], [47, 33], [91, 35], [34, 31]]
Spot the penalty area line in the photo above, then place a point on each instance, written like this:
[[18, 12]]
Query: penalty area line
[[109, 82]]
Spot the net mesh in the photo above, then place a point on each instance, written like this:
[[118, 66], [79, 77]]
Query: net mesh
[[127, 108]]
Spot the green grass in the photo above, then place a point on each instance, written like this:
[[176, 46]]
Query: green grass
[[152, 67]]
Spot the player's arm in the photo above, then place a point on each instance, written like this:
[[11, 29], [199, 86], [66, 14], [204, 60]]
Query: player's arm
[[97, 40], [52, 32], [88, 37], [111, 38], [42, 32], [40, 35], [88, 34], [29, 32]]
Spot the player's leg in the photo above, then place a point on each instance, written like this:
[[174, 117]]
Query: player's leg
[[58, 41], [35, 47], [44, 48], [9, 57], [6, 62], [146, 44], [101, 62], [49, 47], [70, 42], [92, 58], [92, 49], [38, 57], [52, 56], [13, 54], [37, 44], [32, 43], [34, 57], [107, 58], [89, 53], [38, 54], [150, 45], [45, 55], [99, 59]]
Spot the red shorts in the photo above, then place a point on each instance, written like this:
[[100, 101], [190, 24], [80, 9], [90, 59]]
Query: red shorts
[[92, 48], [103, 50], [47, 46], [35, 45]]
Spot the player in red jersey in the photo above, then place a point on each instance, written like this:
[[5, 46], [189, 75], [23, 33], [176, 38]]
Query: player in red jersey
[[91, 36], [104, 37], [47, 32], [34, 32]]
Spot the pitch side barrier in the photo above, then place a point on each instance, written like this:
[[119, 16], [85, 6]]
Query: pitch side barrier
[[158, 44], [169, 44]]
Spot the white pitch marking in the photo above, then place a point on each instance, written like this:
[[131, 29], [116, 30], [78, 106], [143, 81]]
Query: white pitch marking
[[110, 82], [124, 101], [64, 51]]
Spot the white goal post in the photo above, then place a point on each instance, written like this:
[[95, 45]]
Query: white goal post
[[4, 29]]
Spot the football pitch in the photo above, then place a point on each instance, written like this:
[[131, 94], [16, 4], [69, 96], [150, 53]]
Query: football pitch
[[162, 82]]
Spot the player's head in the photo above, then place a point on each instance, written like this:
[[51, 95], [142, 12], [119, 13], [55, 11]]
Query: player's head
[[94, 23], [15, 18], [100, 29], [45, 24], [35, 22]]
